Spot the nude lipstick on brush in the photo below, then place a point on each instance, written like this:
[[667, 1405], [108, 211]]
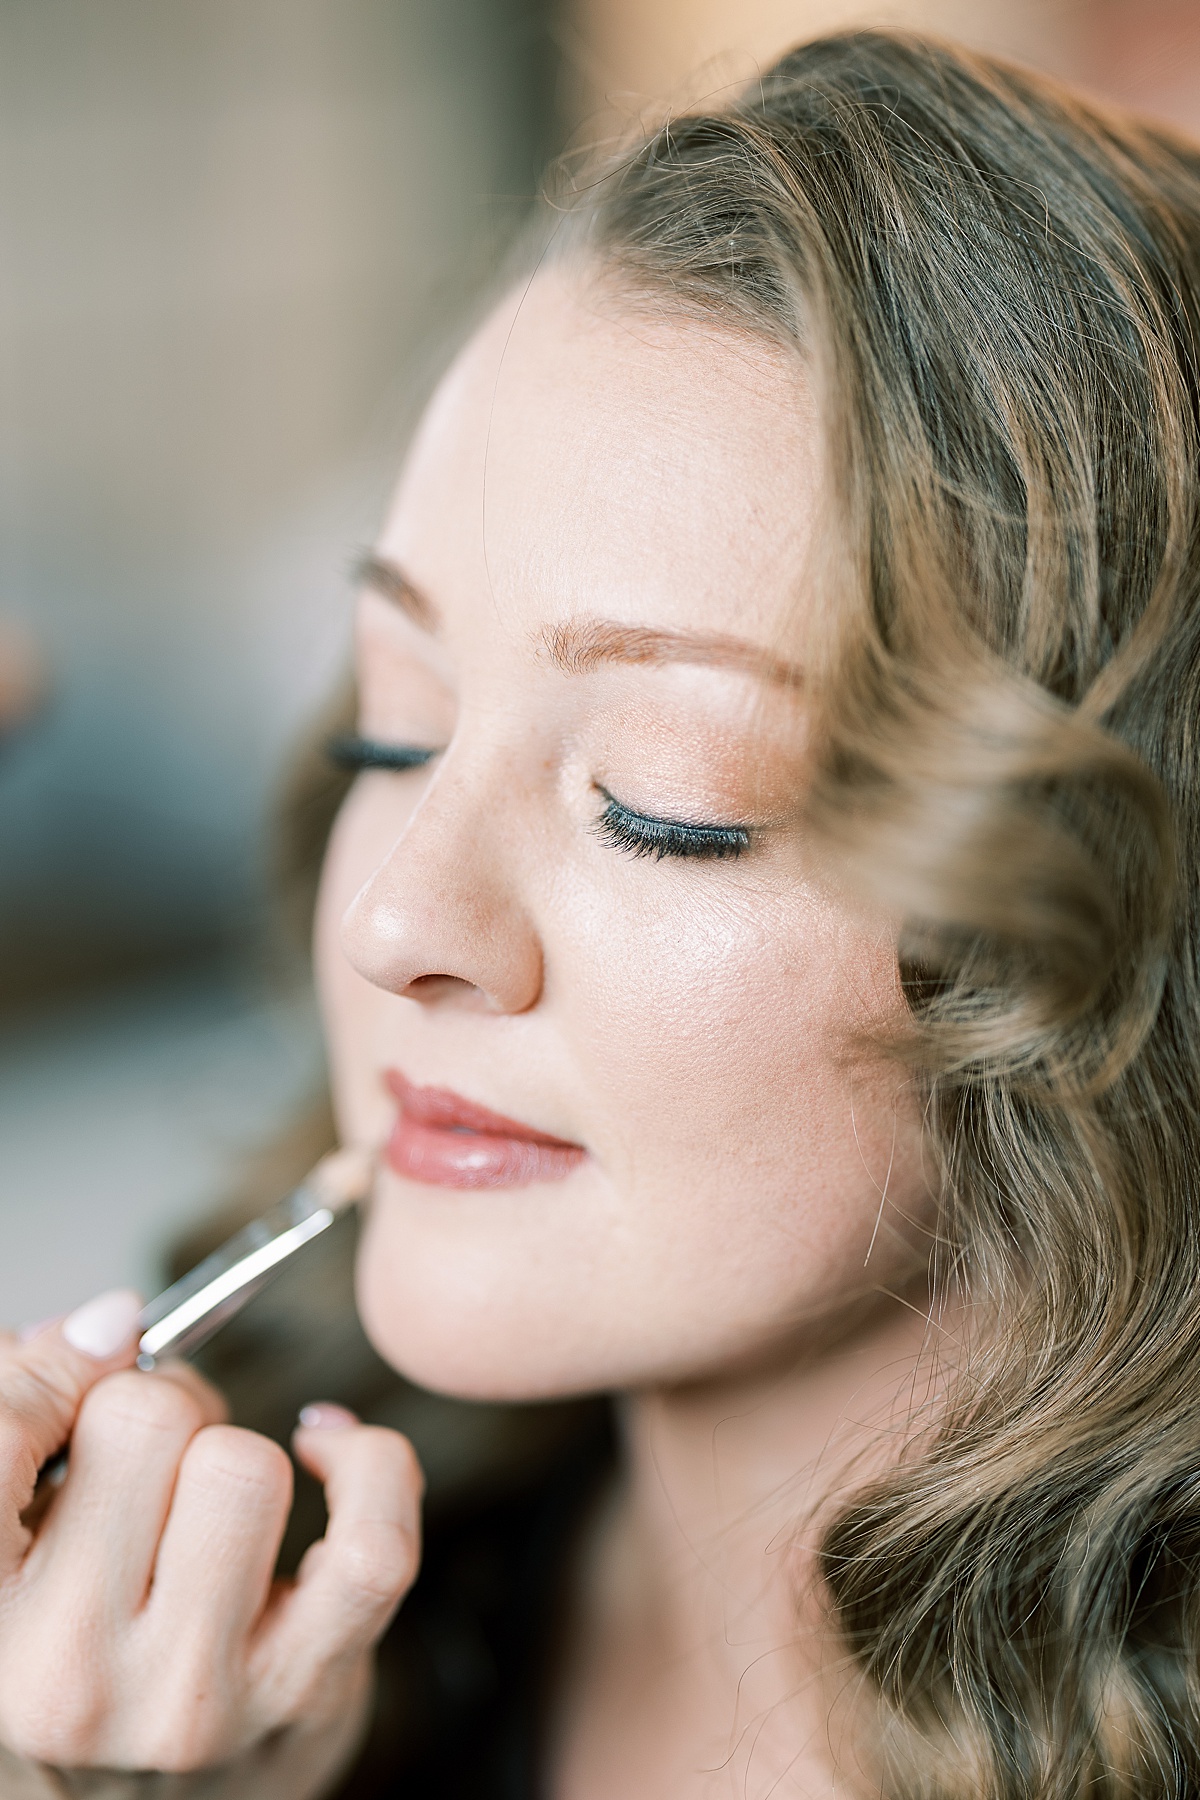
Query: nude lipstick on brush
[[445, 1141], [188, 1313]]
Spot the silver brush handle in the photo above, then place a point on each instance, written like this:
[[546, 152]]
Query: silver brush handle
[[188, 1313], [201, 1301]]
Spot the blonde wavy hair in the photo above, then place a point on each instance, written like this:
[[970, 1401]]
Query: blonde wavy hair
[[1001, 284]]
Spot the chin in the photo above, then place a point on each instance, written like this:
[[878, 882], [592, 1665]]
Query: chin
[[517, 1295], [458, 1322], [486, 1359]]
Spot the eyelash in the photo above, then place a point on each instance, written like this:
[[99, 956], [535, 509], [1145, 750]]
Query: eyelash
[[353, 753], [638, 835], [618, 826]]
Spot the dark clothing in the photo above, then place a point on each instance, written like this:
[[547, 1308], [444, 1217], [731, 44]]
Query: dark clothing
[[467, 1668]]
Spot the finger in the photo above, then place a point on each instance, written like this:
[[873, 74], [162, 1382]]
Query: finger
[[351, 1582], [218, 1549], [28, 1332], [42, 1383], [99, 1544], [210, 1399]]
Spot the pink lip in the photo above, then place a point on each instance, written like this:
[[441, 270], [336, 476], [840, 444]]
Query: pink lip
[[446, 1141]]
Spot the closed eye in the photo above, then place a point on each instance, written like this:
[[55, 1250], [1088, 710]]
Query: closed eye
[[639, 834], [349, 751]]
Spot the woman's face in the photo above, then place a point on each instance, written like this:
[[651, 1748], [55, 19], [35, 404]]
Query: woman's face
[[590, 605]]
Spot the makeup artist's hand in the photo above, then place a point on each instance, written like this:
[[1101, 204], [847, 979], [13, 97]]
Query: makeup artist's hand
[[139, 1624]]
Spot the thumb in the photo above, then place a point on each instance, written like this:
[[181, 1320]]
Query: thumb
[[42, 1383]]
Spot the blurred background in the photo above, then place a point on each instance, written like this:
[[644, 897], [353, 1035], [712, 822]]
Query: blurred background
[[232, 235]]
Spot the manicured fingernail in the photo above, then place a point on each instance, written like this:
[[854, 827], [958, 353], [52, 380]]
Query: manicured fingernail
[[323, 1415], [104, 1325], [27, 1333]]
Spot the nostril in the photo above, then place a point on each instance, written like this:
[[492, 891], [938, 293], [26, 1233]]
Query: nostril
[[439, 987]]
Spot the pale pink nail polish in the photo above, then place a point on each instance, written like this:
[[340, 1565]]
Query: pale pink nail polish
[[105, 1325], [324, 1415]]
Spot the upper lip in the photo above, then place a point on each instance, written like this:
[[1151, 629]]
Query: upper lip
[[443, 1108]]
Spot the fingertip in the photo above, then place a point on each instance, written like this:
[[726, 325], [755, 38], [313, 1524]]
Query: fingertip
[[325, 1415], [104, 1327], [353, 1459]]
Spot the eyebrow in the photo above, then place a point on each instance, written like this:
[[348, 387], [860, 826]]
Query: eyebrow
[[580, 646], [390, 582]]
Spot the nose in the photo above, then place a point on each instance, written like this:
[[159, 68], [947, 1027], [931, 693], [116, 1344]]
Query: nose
[[441, 919]]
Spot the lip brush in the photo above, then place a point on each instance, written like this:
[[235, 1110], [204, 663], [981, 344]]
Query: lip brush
[[200, 1302], [188, 1313]]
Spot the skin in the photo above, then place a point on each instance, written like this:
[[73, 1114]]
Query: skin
[[735, 1251], [139, 1624], [689, 1022], [753, 1190]]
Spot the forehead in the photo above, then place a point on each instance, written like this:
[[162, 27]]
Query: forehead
[[584, 456]]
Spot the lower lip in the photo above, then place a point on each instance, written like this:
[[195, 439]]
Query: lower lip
[[451, 1156]]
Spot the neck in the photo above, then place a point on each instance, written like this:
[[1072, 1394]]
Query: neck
[[722, 1475], [701, 1597]]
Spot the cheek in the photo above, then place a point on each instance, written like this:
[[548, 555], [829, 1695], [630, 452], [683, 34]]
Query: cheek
[[722, 1039]]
